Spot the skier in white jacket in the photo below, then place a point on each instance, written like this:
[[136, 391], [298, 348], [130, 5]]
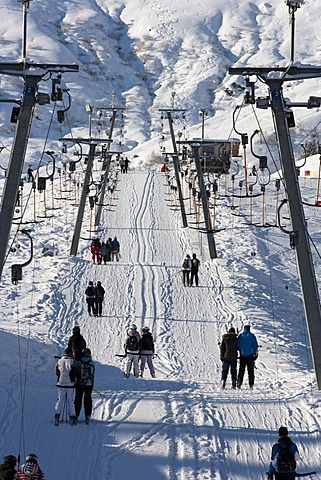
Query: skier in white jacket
[[66, 371]]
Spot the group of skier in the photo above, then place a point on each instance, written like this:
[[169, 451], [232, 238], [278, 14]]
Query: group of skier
[[124, 163], [139, 348], [95, 295], [245, 347], [190, 268], [105, 251], [10, 470], [76, 372]]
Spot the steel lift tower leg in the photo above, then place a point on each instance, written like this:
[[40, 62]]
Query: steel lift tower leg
[[300, 233]]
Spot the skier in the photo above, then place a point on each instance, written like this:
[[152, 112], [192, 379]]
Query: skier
[[131, 347], [186, 269], [8, 468], [122, 164], [99, 298], [127, 162], [95, 250], [90, 298], [108, 246], [147, 350], [247, 346], [115, 247], [30, 175], [30, 469], [283, 458], [85, 384], [66, 371], [228, 351], [194, 270], [103, 253], [76, 343]]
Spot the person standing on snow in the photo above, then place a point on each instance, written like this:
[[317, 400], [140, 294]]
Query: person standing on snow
[[186, 269], [228, 351], [30, 469], [76, 343], [95, 250], [248, 347], [90, 298], [66, 371], [85, 384], [8, 468], [131, 347], [115, 247], [147, 350], [99, 298], [283, 457], [194, 270]]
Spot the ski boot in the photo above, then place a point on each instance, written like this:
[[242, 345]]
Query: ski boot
[[87, 421], [73, 420], [57, 416]]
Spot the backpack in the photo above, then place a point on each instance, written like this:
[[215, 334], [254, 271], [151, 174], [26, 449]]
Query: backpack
[[185, 264], [285, 461], [132, 343], [85, 376]]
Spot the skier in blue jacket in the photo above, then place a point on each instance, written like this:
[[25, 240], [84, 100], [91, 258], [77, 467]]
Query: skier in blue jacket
[[247, 346]]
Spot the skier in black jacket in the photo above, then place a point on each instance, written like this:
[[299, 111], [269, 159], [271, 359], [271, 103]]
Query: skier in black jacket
[[8, 468], [99, 298], [77, 343], [146, 346]]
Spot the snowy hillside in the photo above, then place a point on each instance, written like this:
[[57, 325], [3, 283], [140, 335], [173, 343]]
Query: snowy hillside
[[145, 55]]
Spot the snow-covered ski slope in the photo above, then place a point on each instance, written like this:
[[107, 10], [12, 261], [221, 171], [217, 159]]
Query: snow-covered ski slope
[[179, 425]]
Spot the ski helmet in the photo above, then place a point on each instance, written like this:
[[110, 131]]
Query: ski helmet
[[76, 329], [32, 457], [11, 459], [86, 352], [145, 329], [67, 351], [133, 327]]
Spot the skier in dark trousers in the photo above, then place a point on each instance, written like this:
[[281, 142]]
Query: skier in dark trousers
[[247, 346], [131, 347], [115, 247], [76, 343], [103, 253], [147, 350], [30, 175], [127, 162], [228, 352], [66, 371], [283, 458], [30, 469], [90, 298], [186, 270], [108, 247], [194, 270], [8, 468], [85, 384], [99, 298]]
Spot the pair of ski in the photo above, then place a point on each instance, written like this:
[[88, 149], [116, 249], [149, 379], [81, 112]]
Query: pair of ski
[[57, 422]]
